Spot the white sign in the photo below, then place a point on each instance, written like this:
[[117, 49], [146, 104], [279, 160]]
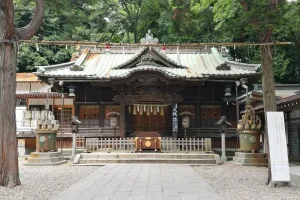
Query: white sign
[[278, 147]]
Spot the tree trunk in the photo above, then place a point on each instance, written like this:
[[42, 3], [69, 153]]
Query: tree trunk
[[268, 93], [9, 169], [8, 141]]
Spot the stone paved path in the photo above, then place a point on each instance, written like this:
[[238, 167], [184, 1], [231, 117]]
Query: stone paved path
[[144, 181]]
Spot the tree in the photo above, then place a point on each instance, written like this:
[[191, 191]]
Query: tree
[[252, 21], [9, 36]]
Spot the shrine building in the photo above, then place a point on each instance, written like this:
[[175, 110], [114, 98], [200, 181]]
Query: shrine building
[[150, 85]]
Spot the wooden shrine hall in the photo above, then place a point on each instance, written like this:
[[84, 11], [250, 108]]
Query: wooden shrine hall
[[150, 86]]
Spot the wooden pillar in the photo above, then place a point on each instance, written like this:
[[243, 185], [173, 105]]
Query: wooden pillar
[[197, 111], [101, 109], [53, 104], [76, 109], [289, 132], [101, 114], [122, 116]]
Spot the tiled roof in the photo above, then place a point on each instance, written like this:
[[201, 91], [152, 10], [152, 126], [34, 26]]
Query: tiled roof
[[193, 65]]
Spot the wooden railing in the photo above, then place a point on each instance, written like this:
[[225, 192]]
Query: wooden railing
[[185, 144], [110, 144], [167, 144]]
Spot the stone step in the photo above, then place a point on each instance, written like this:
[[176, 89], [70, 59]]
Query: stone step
[[46, 164], [44, 154], [147, 160], [250, 160], [251, 164], [250, 155], [146, 155], [44, 159]]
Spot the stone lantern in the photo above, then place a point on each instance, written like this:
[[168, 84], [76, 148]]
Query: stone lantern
[[185, 120], [74, 127], [114, 120], [223, 124]]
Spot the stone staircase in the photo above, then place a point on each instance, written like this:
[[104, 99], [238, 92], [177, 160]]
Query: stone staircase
[[45, 159], [250, 159], [146, 158]]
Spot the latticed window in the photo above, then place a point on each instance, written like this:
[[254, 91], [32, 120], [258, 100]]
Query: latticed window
[[65, 114]]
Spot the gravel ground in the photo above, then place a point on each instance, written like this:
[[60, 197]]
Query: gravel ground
[[45, 182], [241, 182]]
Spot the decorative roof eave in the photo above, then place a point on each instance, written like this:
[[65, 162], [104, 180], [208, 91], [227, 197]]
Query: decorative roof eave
[[153, 69], [87, 77], [42, 69], [245, 66], [41, 95], [241, 75], [282, 103]]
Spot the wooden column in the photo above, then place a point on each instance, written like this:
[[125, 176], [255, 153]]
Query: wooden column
[[289, 132], [76, 109], [122, 116], [101, 114], [197, 111]]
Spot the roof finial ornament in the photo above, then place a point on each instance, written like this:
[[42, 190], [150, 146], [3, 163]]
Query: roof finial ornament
[[149, 39]]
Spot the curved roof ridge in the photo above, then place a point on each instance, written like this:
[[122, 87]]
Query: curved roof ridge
[[162, 70], [165, 56], [217, 55], [137, 54], [82, 57]]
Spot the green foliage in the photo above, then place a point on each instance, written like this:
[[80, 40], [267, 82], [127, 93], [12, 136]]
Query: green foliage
[[173, 21]]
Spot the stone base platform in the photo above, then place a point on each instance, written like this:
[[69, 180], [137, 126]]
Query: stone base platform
[[45, 159], [149, 158], [250, 159]]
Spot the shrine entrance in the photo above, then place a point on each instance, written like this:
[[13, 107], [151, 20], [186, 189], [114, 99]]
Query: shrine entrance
[[149, 118]]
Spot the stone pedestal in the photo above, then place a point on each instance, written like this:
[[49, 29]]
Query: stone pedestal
[[45, 159], [250, 159]]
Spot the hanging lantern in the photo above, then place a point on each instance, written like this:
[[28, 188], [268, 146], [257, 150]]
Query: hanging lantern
[[151, 108], [162, 111], [186, 119], [138, 108], [148, 111], [157, 108], [134, 110], [129, 109], [144, 107]]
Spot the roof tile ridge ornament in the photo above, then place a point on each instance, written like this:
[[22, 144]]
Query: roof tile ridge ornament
[[147, 59], [137, 54], [77, 66], [149, 39]]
